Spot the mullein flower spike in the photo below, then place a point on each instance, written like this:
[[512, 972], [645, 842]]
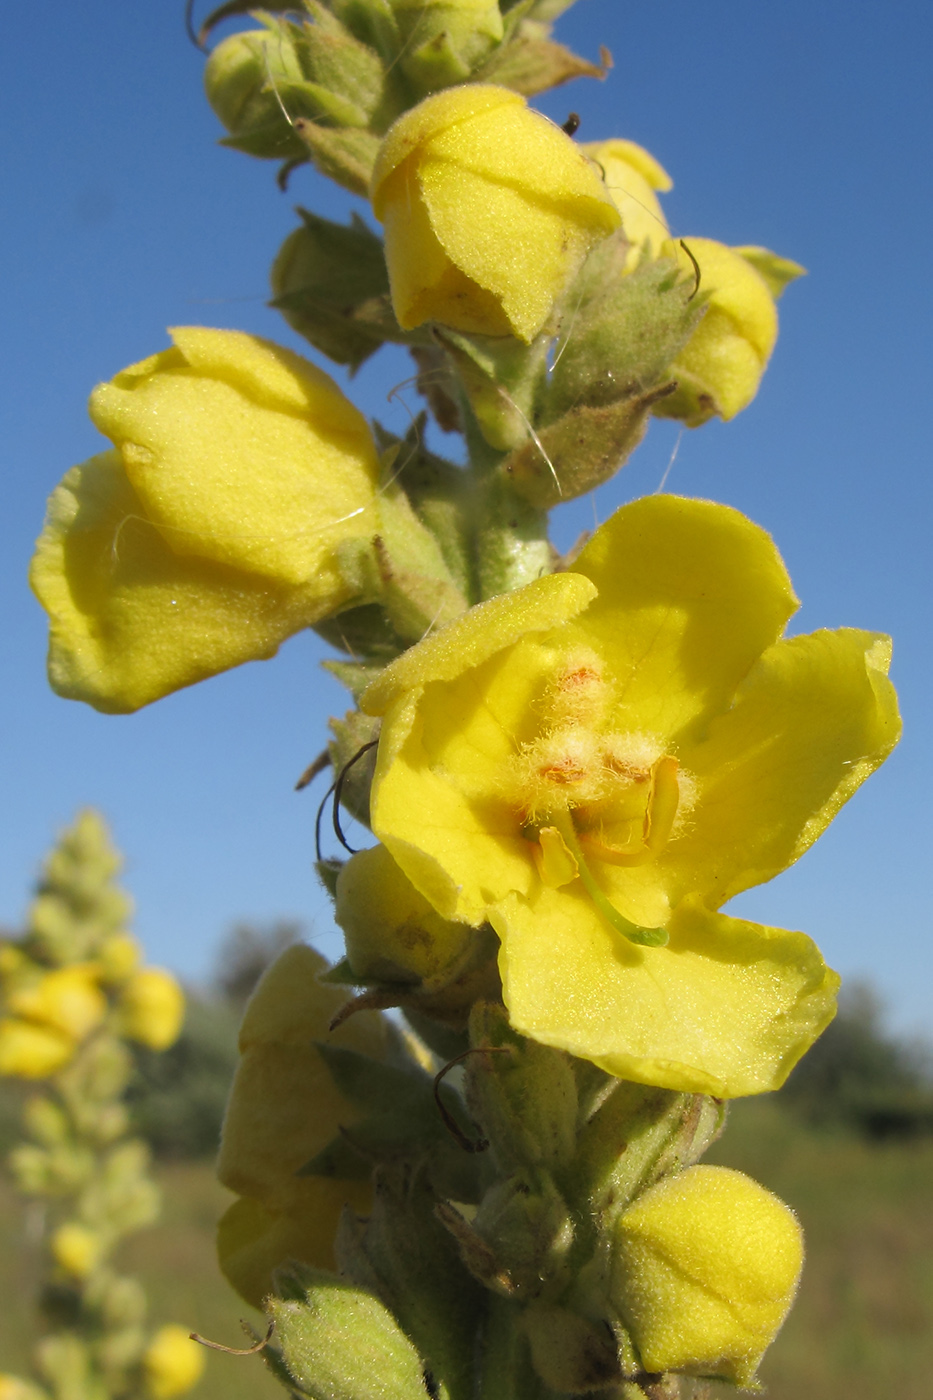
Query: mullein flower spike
[[489, 210], [210, 532], [598, 761]]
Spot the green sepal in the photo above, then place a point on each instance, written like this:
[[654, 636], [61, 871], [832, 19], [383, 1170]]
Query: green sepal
[[353, 763], [527, 1227], [637, 1135], [532, 64], [501, 378], [444, 1041], [621, 332], [439, 492], [362, 631], [339, 1342], [403, 1254], [330, 283], [354, 675], [579, 452], [339, 1160], [327, 872], [400, 1116], [344, 154], [522, 1093], [777, 272]]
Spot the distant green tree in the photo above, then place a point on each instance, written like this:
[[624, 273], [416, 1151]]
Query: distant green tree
[[859, 1076]]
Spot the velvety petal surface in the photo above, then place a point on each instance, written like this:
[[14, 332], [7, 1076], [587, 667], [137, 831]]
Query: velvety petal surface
[[242, 453], [814, 718], [727, 1008], [131, 620], [690, 594]]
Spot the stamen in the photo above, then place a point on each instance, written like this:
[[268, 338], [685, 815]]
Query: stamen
[[647, 937]]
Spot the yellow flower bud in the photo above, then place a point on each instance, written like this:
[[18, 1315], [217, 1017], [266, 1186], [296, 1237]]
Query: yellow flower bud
[[391, 930], [152, 1008], [489, 210], [283, 1109], [243, 78], [253, 1240], [720, 367], [705, 1269], [29, 1051], [77, 1249], [210, 534], [117, 957], [68, 999], [632, 175], [283, 1106], [172, 1363]]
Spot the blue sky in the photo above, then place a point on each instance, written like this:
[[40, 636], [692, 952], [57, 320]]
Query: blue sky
[[803, 127]]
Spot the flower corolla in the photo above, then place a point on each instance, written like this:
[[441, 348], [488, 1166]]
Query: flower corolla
[[632, 175], [210, 532], [596, 762], [283, 1109], [489, 210]]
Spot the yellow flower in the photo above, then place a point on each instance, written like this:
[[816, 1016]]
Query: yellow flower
[[15, 1388], [151, 1008], [77, 1248], [29, 1051], [489, 210], [67, 999], [283, 1109], [632, 175], [720, 367], [172, 1363], [598, 761], [705, 1268], [209, 534], [117, 957]]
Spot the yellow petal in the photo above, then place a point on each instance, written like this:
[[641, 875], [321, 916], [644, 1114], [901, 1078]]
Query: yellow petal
[[68, 999], [736, 288], [130, 619], [172, 1363], [726, 1008], [242, 453], [631, 176], [28, 1051], [151, 1008], [284, 1106], [253, 1241], [489, 210], [690, 594], [480, 633], [815, 717]]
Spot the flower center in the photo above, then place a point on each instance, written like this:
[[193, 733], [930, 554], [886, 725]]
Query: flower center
[[587, 792]]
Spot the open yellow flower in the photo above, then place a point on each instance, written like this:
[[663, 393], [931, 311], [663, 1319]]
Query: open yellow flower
[[598, 761], [283, 1109], [209, 534], [489, 210]]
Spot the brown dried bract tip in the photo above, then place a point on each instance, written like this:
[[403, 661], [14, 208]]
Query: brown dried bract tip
[[236, 1351]]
